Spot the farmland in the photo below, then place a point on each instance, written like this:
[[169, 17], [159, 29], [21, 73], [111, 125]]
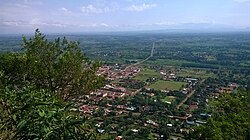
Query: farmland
[[143, 91], [146, 74], [167, 85]]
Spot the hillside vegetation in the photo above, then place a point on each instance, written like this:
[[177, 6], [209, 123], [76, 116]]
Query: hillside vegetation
[[36, 85], [230, 120]]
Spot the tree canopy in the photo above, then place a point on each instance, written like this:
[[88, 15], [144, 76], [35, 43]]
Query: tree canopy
[[230, 120], [35, 85], [39, 114], [59, 66]]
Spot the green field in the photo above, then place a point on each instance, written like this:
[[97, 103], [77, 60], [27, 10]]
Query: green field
[[167, 85], [168, 99], [195, 73], [146, 74], [167, 62], [245, 64]]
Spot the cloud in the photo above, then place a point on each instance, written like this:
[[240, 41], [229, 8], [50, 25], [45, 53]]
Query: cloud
[[37, 22], [142, 7], [104, 25], [241, 0], [18, 11], [163, 23], [97, 25], [10, 23], [33, 2], [31, 23], [21, 5], [92, 9], [65, 11]]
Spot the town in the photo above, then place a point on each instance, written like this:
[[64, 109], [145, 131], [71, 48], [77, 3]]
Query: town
[[151, 90], [137, 100], [125, 70]]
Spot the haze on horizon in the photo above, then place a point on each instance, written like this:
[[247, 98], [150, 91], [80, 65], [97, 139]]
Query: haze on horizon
[[74, 16]]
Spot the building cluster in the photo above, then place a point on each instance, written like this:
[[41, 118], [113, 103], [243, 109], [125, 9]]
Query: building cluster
[[224, 89], [116, 72], [102, 99]]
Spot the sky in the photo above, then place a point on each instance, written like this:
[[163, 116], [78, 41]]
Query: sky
[[76, 16]]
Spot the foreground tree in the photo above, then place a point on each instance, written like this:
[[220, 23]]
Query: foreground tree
[[35, 85], [39, 114], [58, 66], [231, 118], [12, 69]]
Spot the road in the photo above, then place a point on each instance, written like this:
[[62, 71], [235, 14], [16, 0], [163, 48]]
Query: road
[[187, 97], [184, 100], [138, 63], [135, 92]]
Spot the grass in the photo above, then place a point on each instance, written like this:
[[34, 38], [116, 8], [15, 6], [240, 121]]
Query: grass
[[176, 136], [167, 62], [168, 99], [210, 58], [245, 64], [147, 73], [195, 73], [167, 85], [106, 136]]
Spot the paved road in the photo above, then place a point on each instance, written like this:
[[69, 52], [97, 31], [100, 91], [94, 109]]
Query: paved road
[[187, 97], [138, 63]]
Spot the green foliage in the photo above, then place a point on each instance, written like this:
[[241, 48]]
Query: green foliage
[[150, 136], [34, 85], [12, 67], [29, 114], [231, 118], [59, 66]]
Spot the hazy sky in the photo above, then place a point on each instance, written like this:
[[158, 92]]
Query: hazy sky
[[23, 16]]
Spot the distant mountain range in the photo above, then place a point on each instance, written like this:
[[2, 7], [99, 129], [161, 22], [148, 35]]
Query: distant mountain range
[[198, 27], [148, 28]]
